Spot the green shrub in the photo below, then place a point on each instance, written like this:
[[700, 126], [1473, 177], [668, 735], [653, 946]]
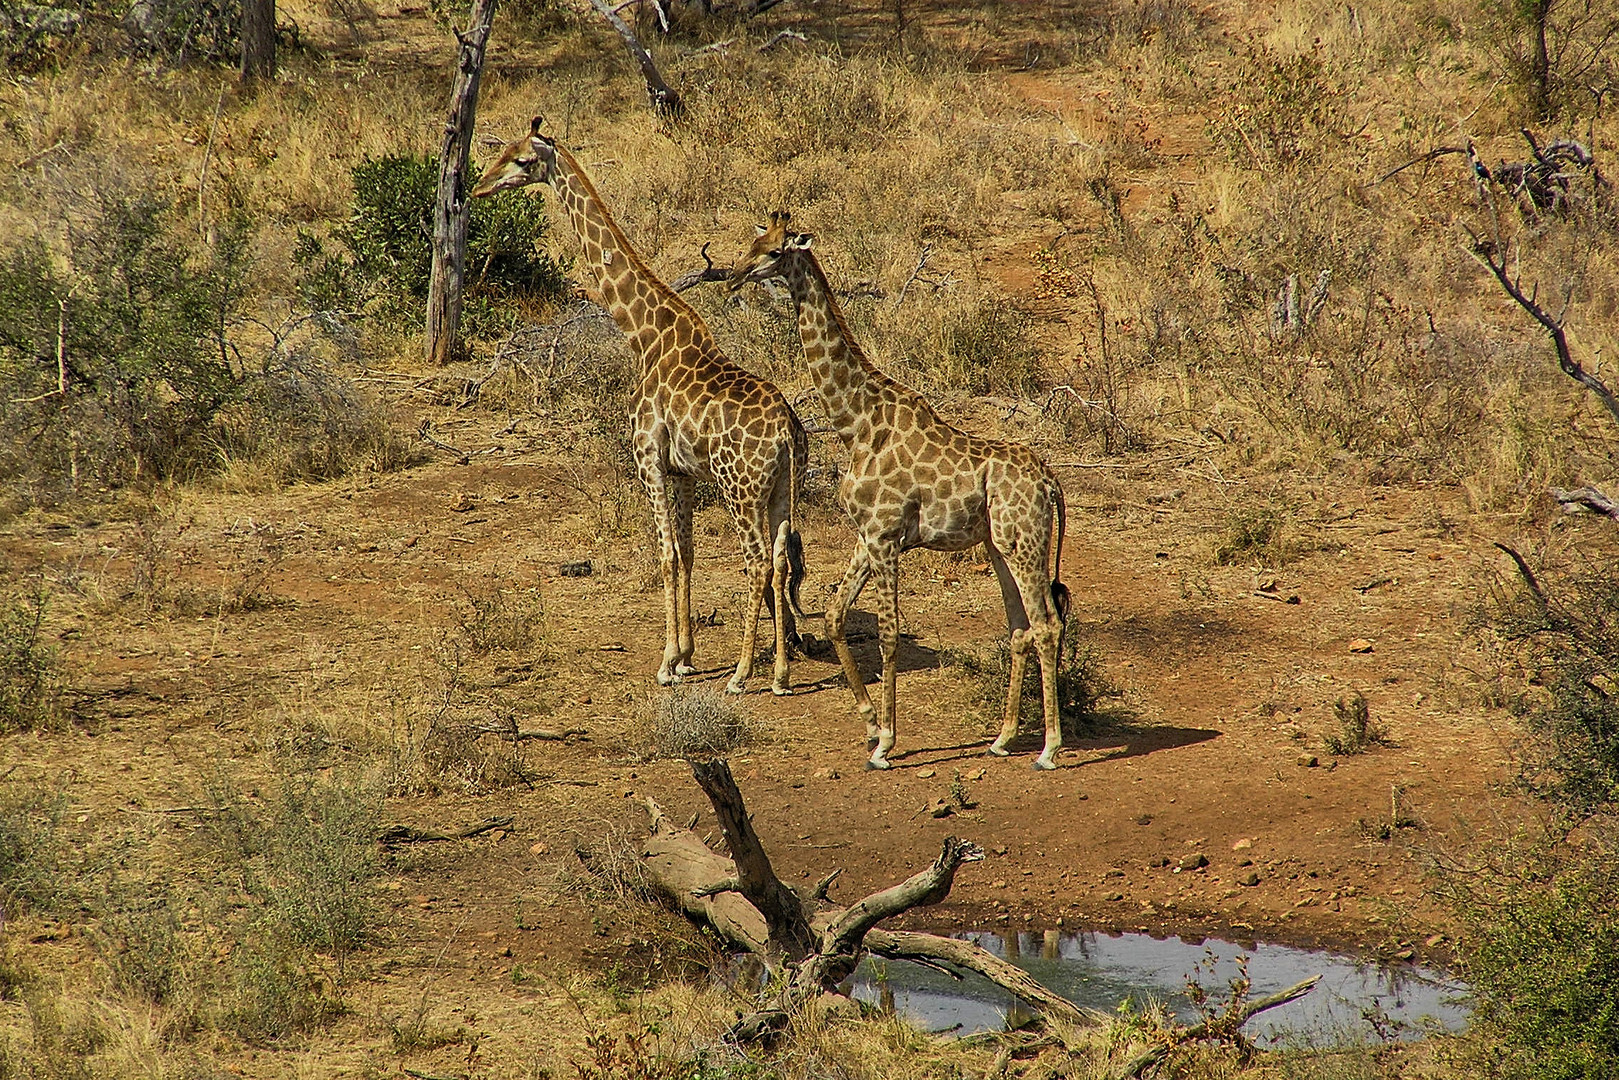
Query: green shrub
[[115, 362], [1545, 971], [386, 262], [30, 672], [33, 864], [1357, 731]]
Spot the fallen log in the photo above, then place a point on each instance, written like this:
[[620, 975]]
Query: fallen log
[[406, 834], [799, 935]]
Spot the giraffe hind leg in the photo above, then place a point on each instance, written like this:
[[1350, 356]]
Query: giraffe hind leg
[[1017, 621], [756, 552], [684, 488]]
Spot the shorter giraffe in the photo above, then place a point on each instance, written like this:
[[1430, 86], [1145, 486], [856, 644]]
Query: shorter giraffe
[[915, 481], [695, 416]]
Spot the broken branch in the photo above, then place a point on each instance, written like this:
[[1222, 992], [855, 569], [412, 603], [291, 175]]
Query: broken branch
[[405, 834], [665, 102], [1223, 1025]]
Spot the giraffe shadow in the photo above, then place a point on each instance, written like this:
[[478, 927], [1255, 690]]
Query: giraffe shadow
[[1119, 743]]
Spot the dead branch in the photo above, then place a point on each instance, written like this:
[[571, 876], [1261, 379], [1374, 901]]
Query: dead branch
[[1437, 152], [915, 947], [1585, 498], [923, 889], [789, 934], [1223, 1026], [916, 275], [780, 35], [665, 102], [517, 734], [1492, 255], [709, 272], [425, 432], [405, 834]]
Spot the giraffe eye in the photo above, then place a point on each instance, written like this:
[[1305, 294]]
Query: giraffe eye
[[776, 254], [526, 162]]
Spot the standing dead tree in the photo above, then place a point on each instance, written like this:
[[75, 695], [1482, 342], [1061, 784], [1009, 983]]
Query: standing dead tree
[[665, 101], [450, 212]]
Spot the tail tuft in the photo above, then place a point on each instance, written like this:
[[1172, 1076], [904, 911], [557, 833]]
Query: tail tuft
[[795, 572], [1059, 599]]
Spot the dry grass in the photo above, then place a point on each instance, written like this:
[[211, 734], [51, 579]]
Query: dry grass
[[1116, 223]]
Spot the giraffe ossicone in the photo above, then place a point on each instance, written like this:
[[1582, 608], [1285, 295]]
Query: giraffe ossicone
[[913, 481], [695, 415]]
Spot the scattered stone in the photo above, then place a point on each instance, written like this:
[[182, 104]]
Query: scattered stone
[[1114, 873], [538, 849], [611, 646], [1309, 761], [927, 774], [1158, 863], [827, 774], [999, 849], [976, 774], [582, 568], [1000, 883], [1435, 941], [1242, 845], [1196, 861], [1169, 495], [939, 808], [1265, 584], [1360, 645], [1245, 862], [466, 503], [1405, 954], [1250, 878], [1113, 896], [1144, 819]]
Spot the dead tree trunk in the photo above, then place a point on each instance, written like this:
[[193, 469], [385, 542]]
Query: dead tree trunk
[[811, 945], [665, 101], [450, 208], [258, 41]]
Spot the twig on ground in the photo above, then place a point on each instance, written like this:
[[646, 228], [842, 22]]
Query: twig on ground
[[426, 434], [405, 834]]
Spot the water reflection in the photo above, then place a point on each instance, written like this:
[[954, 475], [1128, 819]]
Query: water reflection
[[1355, 1001]]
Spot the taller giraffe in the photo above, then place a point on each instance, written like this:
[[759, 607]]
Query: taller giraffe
[[695, 416], [915, 481]]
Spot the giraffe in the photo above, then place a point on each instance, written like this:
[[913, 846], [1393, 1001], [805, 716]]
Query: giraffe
[[915, 481], [695, 415]]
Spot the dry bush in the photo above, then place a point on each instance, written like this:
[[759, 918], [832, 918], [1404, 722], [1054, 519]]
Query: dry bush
[[30, 670], [498, 615], [1357, 731], [693, 722]]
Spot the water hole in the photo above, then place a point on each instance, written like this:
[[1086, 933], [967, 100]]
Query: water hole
[[1357, 1001]]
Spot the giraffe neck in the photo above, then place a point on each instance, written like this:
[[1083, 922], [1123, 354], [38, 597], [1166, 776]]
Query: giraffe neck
[[642, 306], [847, 382]]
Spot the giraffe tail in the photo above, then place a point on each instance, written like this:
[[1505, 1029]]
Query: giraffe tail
[[1059, 592], [795, 542]]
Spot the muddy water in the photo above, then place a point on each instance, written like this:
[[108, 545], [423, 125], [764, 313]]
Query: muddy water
[[1356, 1001]]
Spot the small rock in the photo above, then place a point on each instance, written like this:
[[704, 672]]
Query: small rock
[[939, 808], [1250, 878], [1159, 862], [1112, 896], [537, 849], [999, 883], [466, 503], [827, 774], [1265, 584], [1144, 819], [999, 849], [1435, 941], [1195, 861], [976, 774], [926, 774], [582, 568], [1243, 845], [1360, 645], [1245, 862], [611, 646], [1405, 954], [498, 835], [1309, 761]]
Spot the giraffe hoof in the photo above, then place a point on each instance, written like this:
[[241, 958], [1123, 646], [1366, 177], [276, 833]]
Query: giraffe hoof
[[666, 679], [877, 766], [782, 691], [999, 751], [685, 669], [736, 686], [1042, 765]]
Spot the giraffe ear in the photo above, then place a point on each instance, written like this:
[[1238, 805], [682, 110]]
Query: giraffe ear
[[760, 230], [801, 240], [780, 217], [534, 125]]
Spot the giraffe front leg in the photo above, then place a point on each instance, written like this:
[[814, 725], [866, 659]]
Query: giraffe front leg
[[885, 567], [668, 562], [682, 490], [758, 560], [854, 579]]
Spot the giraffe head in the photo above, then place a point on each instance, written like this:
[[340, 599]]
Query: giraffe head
[[766, 258], [529, 160]]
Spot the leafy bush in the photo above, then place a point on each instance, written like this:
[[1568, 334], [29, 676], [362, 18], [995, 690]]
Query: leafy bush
[[32, 855], [1545, 971], [116, 364], [1082, 686], [29, 668], [386, 261], [1357, 731]]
